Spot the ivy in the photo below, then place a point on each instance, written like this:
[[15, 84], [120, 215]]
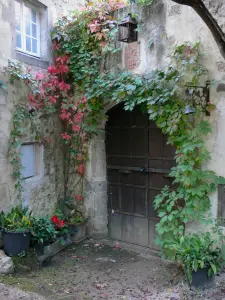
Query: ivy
[[78, 85]]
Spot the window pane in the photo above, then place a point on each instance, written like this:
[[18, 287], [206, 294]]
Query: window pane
[[27, 160], [28, 31], [18, 40], [33, 15], [28, 44], [34, 30], [34, 46]]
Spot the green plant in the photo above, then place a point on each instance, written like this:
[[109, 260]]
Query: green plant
[[80, 83], [42, 230], [142, 2], [18, 219], [76, 220], [197, 251]]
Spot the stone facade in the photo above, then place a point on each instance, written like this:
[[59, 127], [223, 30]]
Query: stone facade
[[43, 191], [163, 25]]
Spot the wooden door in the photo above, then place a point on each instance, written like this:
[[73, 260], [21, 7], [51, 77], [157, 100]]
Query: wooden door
[[138, 163]]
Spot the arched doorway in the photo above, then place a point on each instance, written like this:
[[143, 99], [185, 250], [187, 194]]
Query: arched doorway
[[138, 162]]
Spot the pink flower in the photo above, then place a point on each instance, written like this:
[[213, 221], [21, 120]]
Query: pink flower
[[52, 69], [78, 197], [80, 169], [78, 117], [40, 76], [76, 128], [65, 115], [66, 136], [84, 99], [64, 86], [52, 99]]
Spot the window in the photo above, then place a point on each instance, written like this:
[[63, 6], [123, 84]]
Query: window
[[31, 156], [27, 28]]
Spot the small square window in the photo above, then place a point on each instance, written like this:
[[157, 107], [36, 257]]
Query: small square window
[[31, 156], [27, 28], [28, 160]]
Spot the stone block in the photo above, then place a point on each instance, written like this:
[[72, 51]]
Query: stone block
[[6, 264], [4, 195]]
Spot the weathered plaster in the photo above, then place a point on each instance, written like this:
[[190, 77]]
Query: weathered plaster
[[43, 192], [164, 25]]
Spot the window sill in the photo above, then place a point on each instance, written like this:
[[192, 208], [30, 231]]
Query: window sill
[[32, 60]]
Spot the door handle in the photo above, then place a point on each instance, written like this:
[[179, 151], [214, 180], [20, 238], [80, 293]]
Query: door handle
[[125, 171]]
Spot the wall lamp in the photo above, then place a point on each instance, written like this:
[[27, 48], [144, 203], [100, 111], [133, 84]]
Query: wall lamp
[[197, 96]]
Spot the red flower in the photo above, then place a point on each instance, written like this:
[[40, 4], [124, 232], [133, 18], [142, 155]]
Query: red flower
[[56, 46], [52, 99], [61, 223], [76, 128], [55, 219], [78, 117], [64, 86], [80, 169], [52, 69], [40, 76], [84, 99], [78, 197], [65, 115], [66, 136]]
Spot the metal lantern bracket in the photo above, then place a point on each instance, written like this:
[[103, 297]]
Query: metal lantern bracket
[[199, 96], [127, 30]]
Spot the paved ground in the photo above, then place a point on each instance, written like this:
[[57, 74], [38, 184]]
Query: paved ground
[[97, 271]]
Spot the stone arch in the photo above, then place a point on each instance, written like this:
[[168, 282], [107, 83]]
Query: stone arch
[[95, 185]]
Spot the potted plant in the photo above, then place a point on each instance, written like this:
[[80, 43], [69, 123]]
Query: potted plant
[[77, 226], [16, 225], [43, 233], [200, 257]]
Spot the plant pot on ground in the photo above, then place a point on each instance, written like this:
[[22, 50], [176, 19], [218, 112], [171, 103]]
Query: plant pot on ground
[[200, 257], [43, 233], [77, 227], [16, 225]]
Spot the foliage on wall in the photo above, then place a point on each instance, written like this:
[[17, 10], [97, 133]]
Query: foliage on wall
[[77, 87]]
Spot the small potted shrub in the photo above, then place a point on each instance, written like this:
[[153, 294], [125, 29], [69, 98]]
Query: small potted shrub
[[200, 257], [77, 226], [16, 225], [43, 233]]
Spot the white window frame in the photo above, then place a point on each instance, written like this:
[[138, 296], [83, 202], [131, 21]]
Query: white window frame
[[23, 29]]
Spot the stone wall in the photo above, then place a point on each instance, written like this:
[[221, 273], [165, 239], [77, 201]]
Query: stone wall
[[43, 191], [163, 25]]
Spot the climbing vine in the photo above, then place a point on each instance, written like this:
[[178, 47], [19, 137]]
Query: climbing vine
[[78, 85]]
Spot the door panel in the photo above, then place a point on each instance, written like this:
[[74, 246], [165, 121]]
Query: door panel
[[138, 160]]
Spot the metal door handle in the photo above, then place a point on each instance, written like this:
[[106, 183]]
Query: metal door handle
[[125, 171]]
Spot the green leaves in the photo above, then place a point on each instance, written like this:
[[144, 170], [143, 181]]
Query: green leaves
[[196, 251], [160, 94]]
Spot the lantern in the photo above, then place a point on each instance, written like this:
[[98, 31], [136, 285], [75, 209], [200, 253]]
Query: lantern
[[197, 96], [127, 30]]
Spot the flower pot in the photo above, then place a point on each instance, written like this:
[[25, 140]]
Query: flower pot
[[79, 232], [16, 243], [200, 279], [39, 248]]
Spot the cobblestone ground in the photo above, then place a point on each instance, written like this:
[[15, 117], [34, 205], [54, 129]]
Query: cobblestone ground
[[94, 270]]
